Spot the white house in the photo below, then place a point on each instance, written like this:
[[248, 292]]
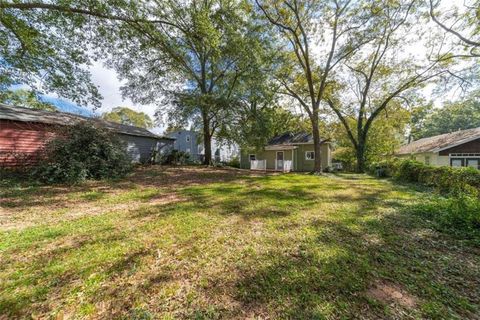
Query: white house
[[456, 149]]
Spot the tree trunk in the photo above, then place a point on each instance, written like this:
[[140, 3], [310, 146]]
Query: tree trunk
[[360, 153], [207, 140], [316, 146]]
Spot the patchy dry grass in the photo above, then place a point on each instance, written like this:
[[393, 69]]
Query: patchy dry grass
[[210, 243]]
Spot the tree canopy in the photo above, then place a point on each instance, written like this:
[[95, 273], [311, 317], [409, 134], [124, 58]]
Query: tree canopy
[[25, 98], [128, 116], [458, 115]]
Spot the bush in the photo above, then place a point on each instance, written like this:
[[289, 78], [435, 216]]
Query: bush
[[234, 162], [445, 180], [459, 211], [383, 169], [459, 214], [81, 152], [175, 157]]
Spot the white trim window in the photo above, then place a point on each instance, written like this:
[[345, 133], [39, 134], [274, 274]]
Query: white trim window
[[309, 155], [187, 138], [252, 157]]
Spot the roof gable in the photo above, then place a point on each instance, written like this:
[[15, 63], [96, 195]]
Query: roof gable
[[440, 142]]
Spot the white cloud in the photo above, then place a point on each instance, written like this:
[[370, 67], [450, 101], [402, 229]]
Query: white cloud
[[109, 87]]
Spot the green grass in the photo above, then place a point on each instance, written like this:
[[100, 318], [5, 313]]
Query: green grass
[[230, 245]]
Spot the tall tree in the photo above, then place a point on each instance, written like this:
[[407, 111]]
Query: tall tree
[[192, 64], [128, 116], [382, 72], [317, 36], [385, 136]]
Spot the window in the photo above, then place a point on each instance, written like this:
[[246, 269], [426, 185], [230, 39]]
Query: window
[[427, 160], [456, 162], [309, 155], [474, 163], [187, 138], [252, 157], [188, 150]]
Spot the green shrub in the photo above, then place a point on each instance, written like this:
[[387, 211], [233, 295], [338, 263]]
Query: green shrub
[[445, 180], [383, 169], [81, 152], [459, 210], [459, 214], [175, 157], [234, 162]]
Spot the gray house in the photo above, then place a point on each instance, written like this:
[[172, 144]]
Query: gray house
[[187, 141], [141, 144], [25, 131]]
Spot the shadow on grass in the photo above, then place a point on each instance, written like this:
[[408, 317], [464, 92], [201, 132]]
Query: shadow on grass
[[329, 276]]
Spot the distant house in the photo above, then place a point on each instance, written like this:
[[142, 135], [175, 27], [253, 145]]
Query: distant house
[[24, 133], [456, 149], [287, 152], [187, 141]]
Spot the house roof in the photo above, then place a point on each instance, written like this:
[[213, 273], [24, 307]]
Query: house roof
[[62, 118], [291, 138], [440, 142], [280, 147]]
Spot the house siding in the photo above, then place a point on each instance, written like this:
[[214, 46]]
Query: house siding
[[469, 147], [22, 142], [181, 143], [140, 149], [308, 165]]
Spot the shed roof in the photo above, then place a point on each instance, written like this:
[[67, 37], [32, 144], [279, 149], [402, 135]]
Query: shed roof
[[15, 113], [440, 142], [291, 138]]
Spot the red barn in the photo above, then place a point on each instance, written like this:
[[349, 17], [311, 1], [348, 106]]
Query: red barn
[[25, 132]]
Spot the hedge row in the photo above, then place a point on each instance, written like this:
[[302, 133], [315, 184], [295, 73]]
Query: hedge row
[[446, 180]]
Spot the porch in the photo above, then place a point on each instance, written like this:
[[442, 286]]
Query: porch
[[274, 158]]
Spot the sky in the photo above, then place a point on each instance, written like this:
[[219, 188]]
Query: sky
[[109, 87]]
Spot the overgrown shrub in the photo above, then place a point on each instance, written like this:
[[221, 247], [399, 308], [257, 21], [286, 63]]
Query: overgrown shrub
[[445, 180], [459, 214], [383, 169], [175, 157], [234, 162], [459, 209], [81, 152]]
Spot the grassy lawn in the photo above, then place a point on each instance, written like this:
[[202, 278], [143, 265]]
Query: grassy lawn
[[212, 243]]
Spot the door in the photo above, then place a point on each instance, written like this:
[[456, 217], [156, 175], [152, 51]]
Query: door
[[279, 160]]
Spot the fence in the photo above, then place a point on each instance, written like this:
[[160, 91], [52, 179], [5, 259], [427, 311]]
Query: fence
[[258, 165], [287, 166]]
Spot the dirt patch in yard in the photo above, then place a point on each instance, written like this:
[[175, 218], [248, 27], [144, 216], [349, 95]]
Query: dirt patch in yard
[[388, 293]]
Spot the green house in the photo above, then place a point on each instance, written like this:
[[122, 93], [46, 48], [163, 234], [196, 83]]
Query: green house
[[287, 152]]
